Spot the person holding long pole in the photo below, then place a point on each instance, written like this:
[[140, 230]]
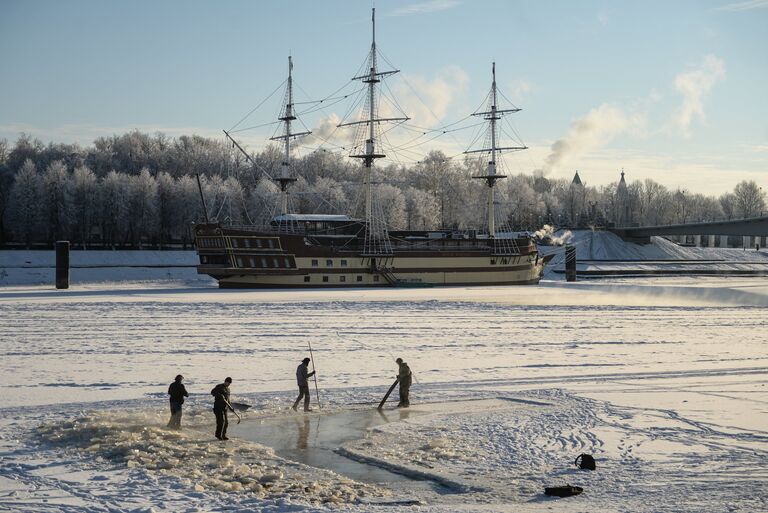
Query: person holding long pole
[[302, 379]]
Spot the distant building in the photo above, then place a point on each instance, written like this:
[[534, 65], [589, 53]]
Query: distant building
[[623, 208], [576, 199]]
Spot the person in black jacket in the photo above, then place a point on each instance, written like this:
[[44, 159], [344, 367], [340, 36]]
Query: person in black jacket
[[302, 373], [178, 392], [221, 404]]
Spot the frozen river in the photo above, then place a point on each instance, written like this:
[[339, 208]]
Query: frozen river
[[692, 349]]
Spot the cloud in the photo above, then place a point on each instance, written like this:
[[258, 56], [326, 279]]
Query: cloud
[[748, 5], [424, 7], [590, 132], [423, 99], [694, 85]]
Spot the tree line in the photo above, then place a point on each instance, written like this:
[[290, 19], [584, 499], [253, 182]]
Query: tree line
[[139, 190]]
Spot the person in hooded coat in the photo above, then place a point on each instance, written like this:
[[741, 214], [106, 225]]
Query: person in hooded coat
[[177, 393]]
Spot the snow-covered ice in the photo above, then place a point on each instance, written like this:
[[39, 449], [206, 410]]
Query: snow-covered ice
[[663, 380]]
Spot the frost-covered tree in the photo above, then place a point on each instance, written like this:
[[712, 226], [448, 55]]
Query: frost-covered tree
[[421, 208], [84, 203], [114, 200], [728, 204], [143, 208], [57, 195], [750, 199], [24, 212]]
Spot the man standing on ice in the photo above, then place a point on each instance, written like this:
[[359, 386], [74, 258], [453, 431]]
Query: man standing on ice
[[178, 392], [221, 404], [302, 373], [404, 376]]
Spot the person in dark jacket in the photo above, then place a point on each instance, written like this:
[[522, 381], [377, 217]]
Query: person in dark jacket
[[221, 404], [302, 375], [405, 377], [178, 392]]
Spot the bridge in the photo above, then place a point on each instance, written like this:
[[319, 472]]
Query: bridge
[[749, 227]]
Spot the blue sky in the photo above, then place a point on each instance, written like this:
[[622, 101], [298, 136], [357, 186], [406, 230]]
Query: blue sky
[[673, 91]]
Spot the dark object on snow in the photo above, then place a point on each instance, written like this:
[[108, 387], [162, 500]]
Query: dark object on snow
[[62, 264], [570, 263], [563, 491], [240, 406], [585, 462]]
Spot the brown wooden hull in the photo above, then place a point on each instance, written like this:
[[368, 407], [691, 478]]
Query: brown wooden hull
[[267, 259]]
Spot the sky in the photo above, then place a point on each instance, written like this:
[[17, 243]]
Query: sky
[[673, 91]]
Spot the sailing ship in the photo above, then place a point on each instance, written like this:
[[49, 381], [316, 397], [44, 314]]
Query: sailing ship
[[322, 251]]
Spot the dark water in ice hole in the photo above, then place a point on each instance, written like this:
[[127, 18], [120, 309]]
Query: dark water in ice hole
[[312, 439]]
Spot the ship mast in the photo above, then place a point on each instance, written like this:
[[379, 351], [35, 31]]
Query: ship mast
[[493, 115], [287, 115], [376, 238]]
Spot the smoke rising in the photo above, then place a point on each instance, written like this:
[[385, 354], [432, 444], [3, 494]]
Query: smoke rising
[[547, 232]]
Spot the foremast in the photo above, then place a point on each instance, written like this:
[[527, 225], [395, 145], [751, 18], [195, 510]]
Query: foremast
[[493, 114], [376, 236]]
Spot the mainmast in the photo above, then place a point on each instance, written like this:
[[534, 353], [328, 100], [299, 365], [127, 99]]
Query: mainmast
[[376, 238], [287, 115], [492, 115]]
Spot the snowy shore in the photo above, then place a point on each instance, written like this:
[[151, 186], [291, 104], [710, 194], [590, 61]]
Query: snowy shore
[[663, 380]]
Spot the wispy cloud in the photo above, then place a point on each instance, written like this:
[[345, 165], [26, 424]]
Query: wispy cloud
[[602, 18], [596, 129], [424, 7], [747, 5], [694, 85]]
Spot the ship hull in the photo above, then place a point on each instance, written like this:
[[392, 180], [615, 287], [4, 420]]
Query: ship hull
[[271, 260]]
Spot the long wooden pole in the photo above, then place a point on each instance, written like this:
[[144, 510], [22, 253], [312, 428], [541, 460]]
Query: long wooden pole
[[317, 392]]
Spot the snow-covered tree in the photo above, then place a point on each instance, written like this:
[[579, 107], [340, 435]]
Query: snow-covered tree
[[57, 194], [24, 212], [143, 208], [750, 199], [84, 202]]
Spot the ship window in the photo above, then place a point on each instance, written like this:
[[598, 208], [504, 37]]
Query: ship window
[[264, 262], [325, 279], [342, 278], [258, 243], [270, 243], [288, 262], [276, 262], [493, 261], [247, 243], [359, 278], [329, 263], [203, 259], [306, 279], [375, 277], [314, 262], [343, 263], [240, 262]]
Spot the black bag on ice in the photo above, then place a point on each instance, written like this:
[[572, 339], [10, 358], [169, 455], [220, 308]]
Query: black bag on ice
[[585, 462]]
